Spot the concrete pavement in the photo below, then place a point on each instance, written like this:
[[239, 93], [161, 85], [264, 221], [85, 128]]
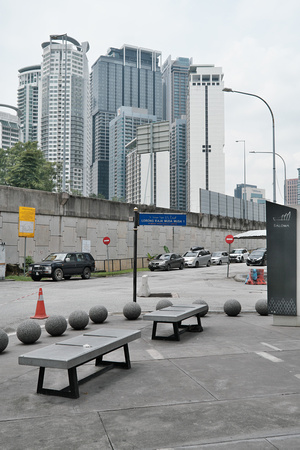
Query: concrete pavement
[[234, 386]]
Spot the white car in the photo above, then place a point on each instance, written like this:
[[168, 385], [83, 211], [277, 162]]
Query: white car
[[239, 255], [197, 258], [219, 258]]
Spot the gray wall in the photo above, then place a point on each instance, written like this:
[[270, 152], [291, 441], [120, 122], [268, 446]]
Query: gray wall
[[62, 222]]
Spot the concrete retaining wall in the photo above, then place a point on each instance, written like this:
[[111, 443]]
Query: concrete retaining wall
[[63, 222]]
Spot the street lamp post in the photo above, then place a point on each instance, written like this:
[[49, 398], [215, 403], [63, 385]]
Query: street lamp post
[[273, 134], [284, 165], [245, 194]]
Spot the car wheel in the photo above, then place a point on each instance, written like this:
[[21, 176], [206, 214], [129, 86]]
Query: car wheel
[[208, 263], [151, 268], [86, 274], [168, 267], [197, 264], [242, 259], [67, 277], [181, 266], [58, 274], [220, 262], [36, 277]]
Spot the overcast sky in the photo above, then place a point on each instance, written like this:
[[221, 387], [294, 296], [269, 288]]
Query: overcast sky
[[256, 42]]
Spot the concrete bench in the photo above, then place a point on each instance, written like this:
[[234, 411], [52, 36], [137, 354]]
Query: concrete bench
[[176, 314], [74, 352]]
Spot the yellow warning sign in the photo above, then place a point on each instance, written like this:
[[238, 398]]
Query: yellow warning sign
[[26, 221]]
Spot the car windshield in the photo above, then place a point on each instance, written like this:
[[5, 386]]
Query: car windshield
[[216, 254], [190, 254], [237, 251], [257, 253], [165, 256], [55, 257]]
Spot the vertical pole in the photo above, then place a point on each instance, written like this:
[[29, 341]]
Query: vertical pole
[[107, 257], [135, 228], [228, 262], [25, 255]]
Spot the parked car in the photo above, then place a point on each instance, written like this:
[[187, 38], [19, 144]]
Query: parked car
[[197, 258], [63, 265], [219, 258], [166, 261], [239, 255], [257, 258]]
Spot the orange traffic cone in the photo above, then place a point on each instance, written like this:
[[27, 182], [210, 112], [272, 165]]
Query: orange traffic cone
[[40, 312]]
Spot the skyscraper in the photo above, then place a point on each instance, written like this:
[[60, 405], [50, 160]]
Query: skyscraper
[[205, 133], [122, 131], [65, 126], [10, 131], [175, 90], [28, 102], [129, 76]]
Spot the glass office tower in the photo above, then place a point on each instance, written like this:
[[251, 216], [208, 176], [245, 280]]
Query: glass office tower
[[28, 102], [129, 76]]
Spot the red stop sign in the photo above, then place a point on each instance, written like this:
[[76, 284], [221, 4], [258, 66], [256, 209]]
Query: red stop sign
[[106, 240], [229, 239]]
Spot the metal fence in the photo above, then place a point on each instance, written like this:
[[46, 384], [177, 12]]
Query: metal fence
[[224, 205]]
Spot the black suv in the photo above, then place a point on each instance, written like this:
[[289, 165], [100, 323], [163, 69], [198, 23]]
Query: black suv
[[63, 265]]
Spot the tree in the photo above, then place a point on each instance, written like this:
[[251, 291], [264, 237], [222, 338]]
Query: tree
[[25, 166]]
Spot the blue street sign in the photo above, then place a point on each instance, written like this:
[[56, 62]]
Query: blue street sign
[[162, 219]]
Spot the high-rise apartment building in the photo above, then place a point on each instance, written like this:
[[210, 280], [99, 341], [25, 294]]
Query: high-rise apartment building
[[122, 130], [28, 102], [10, 131], [291, 191], [65, 108], [129, 76], [205, 133], [175, 89]]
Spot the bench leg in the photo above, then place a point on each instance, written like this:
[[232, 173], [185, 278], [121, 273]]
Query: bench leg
[[71, 391], [176, 331], [111, 364], [154, 330], [40, 380], [74, 390]]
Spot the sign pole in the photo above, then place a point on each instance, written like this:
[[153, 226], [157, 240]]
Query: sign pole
[[25, 256], [135, 228], [106, 241], [229, 240]]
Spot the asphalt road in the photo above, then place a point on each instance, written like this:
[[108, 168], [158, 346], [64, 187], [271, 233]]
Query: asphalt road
[[18, 300]]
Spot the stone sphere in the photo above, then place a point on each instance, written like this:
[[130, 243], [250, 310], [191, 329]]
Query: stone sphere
[[232, 307], [56, 325], [78, 319], [29, 331], [3, 340], [163, 303], [132, 310], [98, 314], [261, 307], [202, 302]]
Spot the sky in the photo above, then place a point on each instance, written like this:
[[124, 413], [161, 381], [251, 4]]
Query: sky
[[256, 42]]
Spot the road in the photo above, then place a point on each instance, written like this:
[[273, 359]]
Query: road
[[19, 299]]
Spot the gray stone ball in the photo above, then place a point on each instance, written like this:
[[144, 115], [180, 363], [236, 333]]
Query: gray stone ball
[[29, 331], [132, 310], [78, 319], [261, 307], [202, 302], [98, 314], [163, 303], [3, 340], [56, 325], [232, 307]]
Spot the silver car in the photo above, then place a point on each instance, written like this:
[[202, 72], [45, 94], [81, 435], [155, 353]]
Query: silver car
[[197, 258], [219, 258]]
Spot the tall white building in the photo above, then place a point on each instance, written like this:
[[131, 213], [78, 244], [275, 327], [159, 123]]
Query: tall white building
[[65, 110], [10, 131], [28, 102], [205, 133]]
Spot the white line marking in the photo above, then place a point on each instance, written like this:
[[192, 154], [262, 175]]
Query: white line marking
[[155, 354], [271, 346], [269, 357]]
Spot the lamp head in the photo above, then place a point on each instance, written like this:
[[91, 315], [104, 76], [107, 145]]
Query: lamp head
[[227, 90]]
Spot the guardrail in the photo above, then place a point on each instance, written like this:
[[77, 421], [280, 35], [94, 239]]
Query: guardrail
[[115, 265]]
